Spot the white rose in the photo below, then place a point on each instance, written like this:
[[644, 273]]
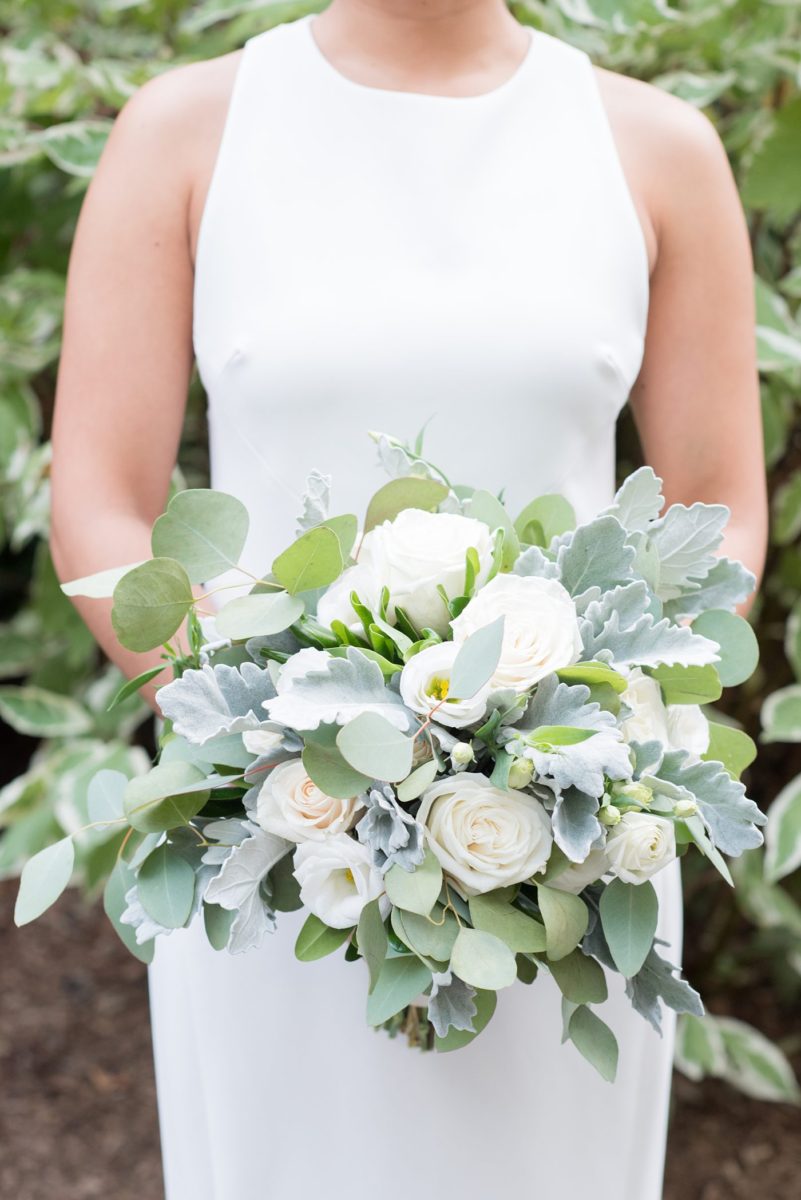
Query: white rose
[[648, 720], [335, 605], [580, 875], [640, 845], [484, 837], [425, 680], [688, 729], [337, 879], [676, 726], [418, 551], [292, 806], [541, 631]]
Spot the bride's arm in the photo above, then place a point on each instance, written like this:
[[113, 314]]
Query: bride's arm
[[127, 353], [696, 401]]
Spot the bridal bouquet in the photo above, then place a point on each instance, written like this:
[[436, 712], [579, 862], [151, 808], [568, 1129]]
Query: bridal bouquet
[[463, 740]]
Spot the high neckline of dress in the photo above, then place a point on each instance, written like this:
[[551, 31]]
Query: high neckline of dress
[[434, 98]]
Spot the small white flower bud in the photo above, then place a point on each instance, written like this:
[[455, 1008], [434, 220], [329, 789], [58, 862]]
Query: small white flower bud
[[521, 772], [609, 815], [639, 793], [462, 754], [685, 808]]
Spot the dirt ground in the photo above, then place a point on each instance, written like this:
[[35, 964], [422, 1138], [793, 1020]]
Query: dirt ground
[[77, 1098]]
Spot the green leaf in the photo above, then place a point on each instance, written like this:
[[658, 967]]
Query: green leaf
[[313, 561], [549, 516], [415, 891], [415, 784], [150, 603], [39, 713], [400, 982], [545, 736], [483, 506], [43, 879], [375, 748], [345, 527], [483, 960], [258, 615], [773, 181], [133, 685], [579, 978], [593, 673], [593, 1038], [317, 940], [104, 797], [733, 747], [217, 922], [166, 885], [781, 715], [566, 919], [495, 915], [739, 649], [121, 879], [167, 797], [455, 1039], [476, 660], [372, 938], [410, 491], [431, 937], [203, 530], [629, 913], [783, 833], [688, 685], [786, 523], [326, 767]]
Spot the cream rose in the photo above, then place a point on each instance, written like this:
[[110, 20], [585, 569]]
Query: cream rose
[[425, 680], [335, 605], [484, 837], [640, 845], [337, 879], [676, 726], [411, 556], [541, 631], [292, 806]]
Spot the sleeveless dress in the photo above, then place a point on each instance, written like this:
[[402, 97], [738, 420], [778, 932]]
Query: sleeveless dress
[[370, 259]]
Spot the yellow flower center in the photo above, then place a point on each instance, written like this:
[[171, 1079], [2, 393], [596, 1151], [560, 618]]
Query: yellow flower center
[[349, 875], [438, 687]]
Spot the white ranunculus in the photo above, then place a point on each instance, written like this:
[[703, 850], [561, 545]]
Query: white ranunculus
[[483, 836], [425, 680], [335, 605], [580, 875], [418, 551], [541, 631], [640, 845], [292, 806], [337, 879], [688, 729], [676, 726]]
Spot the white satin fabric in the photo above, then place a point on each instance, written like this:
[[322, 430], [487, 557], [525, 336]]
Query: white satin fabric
[[370, 259]]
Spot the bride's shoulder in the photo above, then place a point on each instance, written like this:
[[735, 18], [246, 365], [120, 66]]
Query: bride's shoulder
[[670, 149], [182, 105]]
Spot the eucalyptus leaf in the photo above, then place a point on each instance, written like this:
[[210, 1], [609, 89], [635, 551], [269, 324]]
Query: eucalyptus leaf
[[629, 914], [150, 604], [410, 491], [202, 529], [595, 1040], [400, 981], [316, 940], [483, 960], [565, 917], [258, 615], [374, 747], [416, 891], [160, 800], [43, 879], [313, 561], [166, 885], [476, 660]]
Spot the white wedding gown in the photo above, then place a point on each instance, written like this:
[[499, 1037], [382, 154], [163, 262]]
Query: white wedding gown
[[370, 259]]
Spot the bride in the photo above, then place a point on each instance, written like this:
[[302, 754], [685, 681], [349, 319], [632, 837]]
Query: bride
[[390, 213]]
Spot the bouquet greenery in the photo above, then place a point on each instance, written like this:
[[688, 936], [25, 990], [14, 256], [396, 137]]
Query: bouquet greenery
[[464, 743]]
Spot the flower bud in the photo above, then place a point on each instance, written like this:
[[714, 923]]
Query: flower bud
[[462, 754], [609, 815], [520, 773], [685, 808], [638, 793]]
